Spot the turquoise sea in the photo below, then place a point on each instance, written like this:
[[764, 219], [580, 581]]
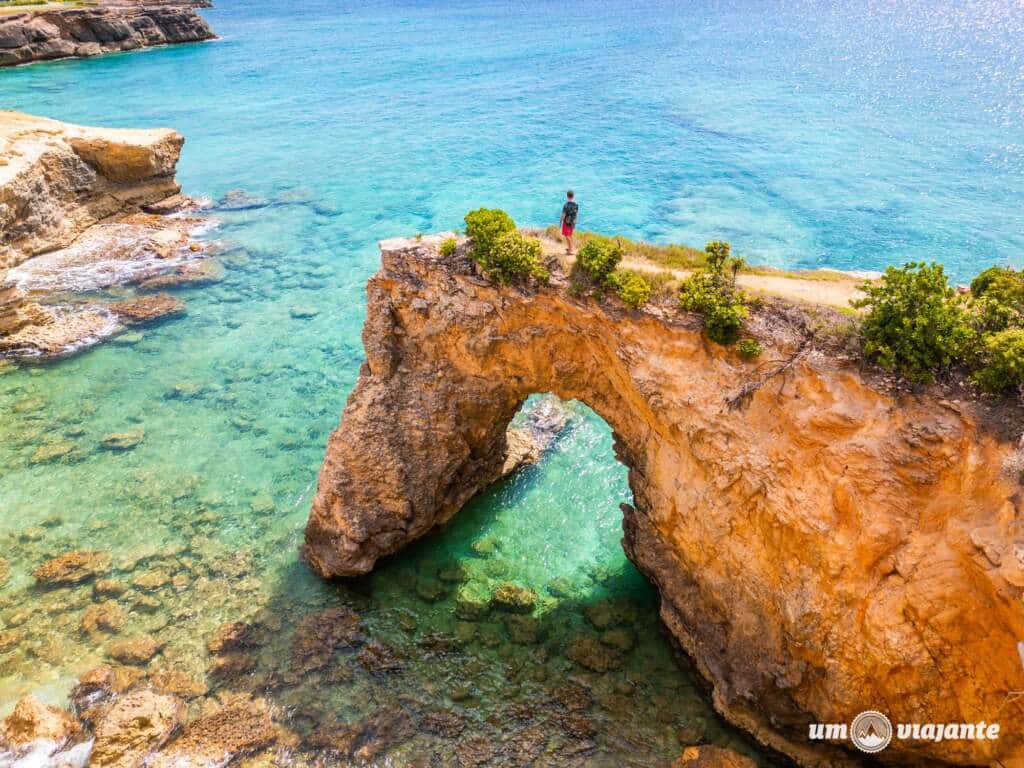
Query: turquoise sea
[[844, 134]]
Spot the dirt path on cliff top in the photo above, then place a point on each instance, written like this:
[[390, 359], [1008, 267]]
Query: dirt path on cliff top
[[832, 289]]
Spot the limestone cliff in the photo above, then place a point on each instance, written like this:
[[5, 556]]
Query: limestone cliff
[[111, 26], [63, 186], [827, 548]]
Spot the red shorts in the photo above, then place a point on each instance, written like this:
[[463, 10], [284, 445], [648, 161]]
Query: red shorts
[[567, 230]]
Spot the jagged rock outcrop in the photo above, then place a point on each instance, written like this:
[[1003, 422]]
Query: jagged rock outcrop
[[112, 26], [72, 218], [829, 548]]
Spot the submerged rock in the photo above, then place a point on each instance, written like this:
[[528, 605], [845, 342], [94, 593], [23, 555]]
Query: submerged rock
[[107, 616], [124, 441], [590, 654], [513, 597], [320, 633], [146, 309], [239, 727], [133, 727], [708, 756], [136, 650], [73, 567]]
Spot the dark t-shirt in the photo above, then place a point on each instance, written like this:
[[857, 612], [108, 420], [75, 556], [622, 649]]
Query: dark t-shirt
[[569, 211]]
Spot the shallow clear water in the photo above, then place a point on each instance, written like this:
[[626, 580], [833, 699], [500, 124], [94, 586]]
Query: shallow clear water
[[851, 135]]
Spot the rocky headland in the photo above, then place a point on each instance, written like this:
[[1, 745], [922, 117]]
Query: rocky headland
[[54, 32], [822, 543], [83, 209]]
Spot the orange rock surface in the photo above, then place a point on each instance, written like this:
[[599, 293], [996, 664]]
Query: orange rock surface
[[828, 548]]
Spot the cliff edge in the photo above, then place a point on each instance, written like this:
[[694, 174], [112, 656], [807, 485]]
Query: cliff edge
[[58, 33], [822, 545]]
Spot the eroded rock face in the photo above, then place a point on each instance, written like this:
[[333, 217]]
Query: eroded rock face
[[60, 33], [828, 548], [60, 179]]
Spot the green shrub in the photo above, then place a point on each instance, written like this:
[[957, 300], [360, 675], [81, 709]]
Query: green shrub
[[632, 288], [514, 257], [599, 257], [712, 292], [448, 246], [485, 226], [998, 295], [1003, 357], [916, 323], [748, 349]]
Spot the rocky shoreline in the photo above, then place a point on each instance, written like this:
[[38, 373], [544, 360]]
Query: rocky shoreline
[[821, 544], [60, 33], [82, 210]]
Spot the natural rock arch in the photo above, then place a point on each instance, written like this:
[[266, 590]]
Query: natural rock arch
[[826, 550]]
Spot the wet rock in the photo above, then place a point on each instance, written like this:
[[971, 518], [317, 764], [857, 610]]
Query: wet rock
[[241, 200], [54, 450], [611, 613], [137, 650], [72, 567], [123, 441], [32, 721], [191, 274], [303, 313], [452, 572], [573, 697], [707, 756], [128, 338], [150, 581], [10, 638], [146, 309], [320, 633], [5, 571], [589, 653], [444, 723], [241, 726], [472, 602], [32, 533], [177, 683], [485, 547], [133, 726], [510, 596], [430, 589], [367, 738], [692, 732], [146, 604], [232, 636], [465, 632], [523, 630], [99, 684], [577, 726], [619, 638], [560, 587], [109, 588], [231, 666], [98, 618], [475, 751], [528, 745], [378, 658]]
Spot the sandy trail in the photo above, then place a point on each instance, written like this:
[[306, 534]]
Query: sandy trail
[[833, 289]]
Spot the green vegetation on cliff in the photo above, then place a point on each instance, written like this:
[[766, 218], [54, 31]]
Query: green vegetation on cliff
[[501, 250]]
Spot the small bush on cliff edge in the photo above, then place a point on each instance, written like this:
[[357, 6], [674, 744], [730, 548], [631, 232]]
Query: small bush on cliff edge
[[514, 257], [712, 291], [599, 257], [501, 250], [916, 324], [485, 226], [448, 246], [1002, 356], [631, 287]]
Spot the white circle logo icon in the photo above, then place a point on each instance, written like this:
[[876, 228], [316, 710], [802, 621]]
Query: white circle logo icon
[[871, 731]]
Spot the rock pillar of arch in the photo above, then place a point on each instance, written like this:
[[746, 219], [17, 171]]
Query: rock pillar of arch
[[827, 549]]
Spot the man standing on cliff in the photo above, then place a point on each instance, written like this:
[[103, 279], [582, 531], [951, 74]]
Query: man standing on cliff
[[569, 211]]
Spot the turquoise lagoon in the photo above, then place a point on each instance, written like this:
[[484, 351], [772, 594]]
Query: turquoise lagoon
[[850, 135]]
